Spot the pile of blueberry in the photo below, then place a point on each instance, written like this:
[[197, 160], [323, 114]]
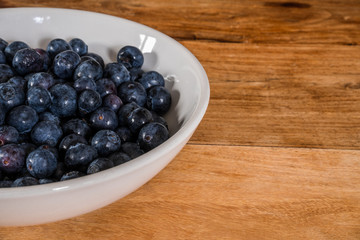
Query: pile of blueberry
[[66, 114]]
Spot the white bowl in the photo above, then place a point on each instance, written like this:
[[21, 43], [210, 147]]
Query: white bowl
[[105, 35]]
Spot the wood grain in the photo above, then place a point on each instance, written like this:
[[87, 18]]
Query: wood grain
[[264, 193], [277, 153]]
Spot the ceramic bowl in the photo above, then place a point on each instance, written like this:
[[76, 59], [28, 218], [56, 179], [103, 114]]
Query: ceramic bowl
[[105, 35]]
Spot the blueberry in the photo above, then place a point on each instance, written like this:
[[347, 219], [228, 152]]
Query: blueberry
[[80, 154], [97, 57], [25, 181], [89, 101], [82, 84], [64, 102], [152, 135], [135, 74], [119, 158], [70, 140], [8, 134], [2, 58], [38, 98], [2, 114], [77, 126], [46, 132], [98, 165], [23, 118], [11, 96], [6, 183], [132, 92], [17, 82], [138, 118], [48, 116], [131, 57], [89, 69], [12, 48], [44, 55], [103, 118], [27, 61], [45, 180], [105, 86], [27, 147], [157, 118], [106, 142], [12, 158], [117, 72], [124, 134], [112, 101], [41, 79], [78, 46], [53, 150], [3, 44], [61, 169], [152, 78], [57, 46], [72, 175], [132, 149], [6, 72], [158, 100], [41, 163], [65, 63], [125, 111]]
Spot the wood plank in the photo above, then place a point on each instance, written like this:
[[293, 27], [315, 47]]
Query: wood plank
[[218, 192], [266, 21], [281, 95]]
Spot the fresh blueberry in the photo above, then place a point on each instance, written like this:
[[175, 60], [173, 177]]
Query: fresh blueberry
[[158, 100], [132, 149], [65, 63], [41, 79], [45, 180], [3, 111], [112, 101], [53, 150], [64, 100], [3, 44], [132, 92], [57, 46], [48, 116], [105, 86], [152, 135], [70, 140], [98, 165], [82, 84], [25, 181], [131, 57], [12, 48], [23, 118], [44, 55], [11, 96], [2, 58], [46, 132], [27, 147], [41, 163], [124, 112], [27, 61], [12, 158], [106, 142], [80, 154], [89, 101], [138, 118], [6, 72], [103, 118], [124, 134], [18, 82], [38, 98], [78, 46], [89, 69], [157, 118], [152, 78], [135, 74], [71, 175], [8, 134], [119, 158], [77, 126], [97, 57], [117, 72], [6, 183]]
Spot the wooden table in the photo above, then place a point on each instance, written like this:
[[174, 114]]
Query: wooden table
[[277, 155]]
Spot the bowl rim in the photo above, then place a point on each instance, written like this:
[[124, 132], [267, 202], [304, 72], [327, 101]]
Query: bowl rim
[[185, 131]]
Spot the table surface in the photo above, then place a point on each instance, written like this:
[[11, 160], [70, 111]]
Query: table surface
[[277, 155]]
